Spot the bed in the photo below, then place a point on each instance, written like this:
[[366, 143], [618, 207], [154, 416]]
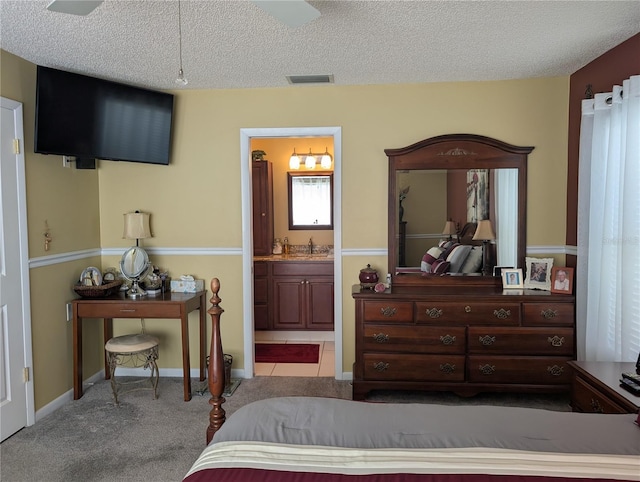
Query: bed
[[307, 439]]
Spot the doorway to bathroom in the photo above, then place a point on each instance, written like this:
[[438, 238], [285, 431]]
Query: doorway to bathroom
[[330, 341]]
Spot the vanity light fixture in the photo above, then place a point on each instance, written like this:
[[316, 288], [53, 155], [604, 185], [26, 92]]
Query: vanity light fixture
[[484, 232], [134, 263], [311, 160], [294, 160]]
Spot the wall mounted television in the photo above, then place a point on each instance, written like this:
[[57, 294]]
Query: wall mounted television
[[91, 118]]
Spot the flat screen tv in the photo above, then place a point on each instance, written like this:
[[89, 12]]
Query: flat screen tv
[[91, 118]]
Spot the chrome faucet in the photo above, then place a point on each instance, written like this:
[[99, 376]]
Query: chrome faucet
[[310, 246]]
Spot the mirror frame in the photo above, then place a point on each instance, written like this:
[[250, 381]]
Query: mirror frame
[[317, 227], [455, 151], [144, 269]]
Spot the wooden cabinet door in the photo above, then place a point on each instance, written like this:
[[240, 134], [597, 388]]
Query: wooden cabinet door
[[319, 297], [262, 190], [288, 303]]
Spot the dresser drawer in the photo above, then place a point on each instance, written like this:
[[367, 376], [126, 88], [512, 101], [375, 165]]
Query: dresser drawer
[[496, 313], [414, 339], [519, 369], [302, 268], [548, 314], [521, 341], [388, 311], [387, 366]]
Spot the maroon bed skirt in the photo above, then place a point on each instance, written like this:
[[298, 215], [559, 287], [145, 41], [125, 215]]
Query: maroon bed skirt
[[258, 475]]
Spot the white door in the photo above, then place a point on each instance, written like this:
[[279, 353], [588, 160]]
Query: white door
[[16, 387]]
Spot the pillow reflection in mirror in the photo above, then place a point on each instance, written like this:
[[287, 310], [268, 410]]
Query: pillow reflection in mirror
[[429, 257], [473, 262], [457, 257]]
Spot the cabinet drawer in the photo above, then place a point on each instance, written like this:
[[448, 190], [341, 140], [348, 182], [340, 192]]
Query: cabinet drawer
[[548, 313], [386, 366], [519, 369], [132, 310], [414, 339], [586, 398], [495, 313], [302, 268], [389, 311], [521, 341]]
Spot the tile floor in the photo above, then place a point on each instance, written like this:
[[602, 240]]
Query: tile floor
[[326, 363]]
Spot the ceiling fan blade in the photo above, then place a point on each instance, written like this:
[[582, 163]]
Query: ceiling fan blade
[[293, 13], [74, 7]]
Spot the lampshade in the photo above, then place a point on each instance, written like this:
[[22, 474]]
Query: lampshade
[[449, 228], [325, 161], [136, 226], [294, 161], [310, 161], [484, 231]]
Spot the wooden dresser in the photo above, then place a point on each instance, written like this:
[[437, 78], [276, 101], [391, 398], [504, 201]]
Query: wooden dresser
[[462, 339]]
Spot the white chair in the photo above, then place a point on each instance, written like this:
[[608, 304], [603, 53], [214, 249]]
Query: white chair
[[139, 350]]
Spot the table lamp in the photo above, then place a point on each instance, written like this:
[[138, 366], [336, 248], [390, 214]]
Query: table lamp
[[450, 229], [135, 261], [484, 232]]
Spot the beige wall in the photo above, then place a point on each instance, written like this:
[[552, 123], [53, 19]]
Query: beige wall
[[196, 200]]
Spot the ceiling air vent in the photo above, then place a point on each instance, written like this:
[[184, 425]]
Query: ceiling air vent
[[310, 79]]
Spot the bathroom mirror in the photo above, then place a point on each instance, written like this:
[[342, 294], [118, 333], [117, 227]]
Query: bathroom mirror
[[310, 200]]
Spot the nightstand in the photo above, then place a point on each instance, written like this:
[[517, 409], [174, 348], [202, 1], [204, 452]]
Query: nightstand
[[595, 388]]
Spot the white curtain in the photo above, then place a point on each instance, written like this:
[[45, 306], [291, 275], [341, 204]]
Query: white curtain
[[608, 270], [506, 221]]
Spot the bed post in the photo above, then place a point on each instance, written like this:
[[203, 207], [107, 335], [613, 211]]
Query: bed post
[[216, 365]]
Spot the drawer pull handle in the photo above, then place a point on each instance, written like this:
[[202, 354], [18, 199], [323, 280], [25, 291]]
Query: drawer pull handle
[[487, 340], [549, 314], [487, 369], [128, 311], [502, 313], [381, 337], [556, 340], [596, 407], [434, 313], [555, 370], [388, 311], [447, 368], [467, 309], [448, 339], [381, 366]]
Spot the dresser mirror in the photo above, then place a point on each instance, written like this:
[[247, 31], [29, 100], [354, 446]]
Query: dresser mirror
[[463, 178], [310, 200]]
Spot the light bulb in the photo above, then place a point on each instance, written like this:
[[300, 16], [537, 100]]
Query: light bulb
[[325, 162], [182, 80], [294, 162]]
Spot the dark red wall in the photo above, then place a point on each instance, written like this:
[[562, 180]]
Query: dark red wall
[[609, 69]]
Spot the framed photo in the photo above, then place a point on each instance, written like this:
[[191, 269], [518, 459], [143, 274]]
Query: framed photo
[[538, 273], [562, 280], [512, 278]]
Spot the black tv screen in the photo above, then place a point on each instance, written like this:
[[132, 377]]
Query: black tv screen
[[86, 117]]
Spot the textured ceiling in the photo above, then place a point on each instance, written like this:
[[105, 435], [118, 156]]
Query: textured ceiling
[[235, 44]]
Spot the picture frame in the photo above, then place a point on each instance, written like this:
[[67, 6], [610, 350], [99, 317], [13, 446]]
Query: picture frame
[[562, 280], [512, 279], [538, 275]]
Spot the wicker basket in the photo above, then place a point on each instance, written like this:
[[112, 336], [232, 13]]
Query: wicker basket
[[102, 291]]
